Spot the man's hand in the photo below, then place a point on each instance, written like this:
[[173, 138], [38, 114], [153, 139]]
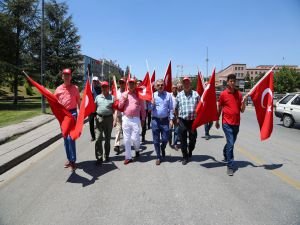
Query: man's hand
[[217, 124], [125, 95]]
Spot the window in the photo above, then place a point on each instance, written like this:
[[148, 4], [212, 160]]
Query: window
[[296, 101], [251, 72], [235, 68], [255, 72], [286, 99]]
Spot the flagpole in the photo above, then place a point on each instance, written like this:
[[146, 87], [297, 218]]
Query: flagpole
[[147, 65], [267, 73]]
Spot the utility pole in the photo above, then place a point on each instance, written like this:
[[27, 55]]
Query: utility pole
[[43, 55], [206, 63], [102, 70]]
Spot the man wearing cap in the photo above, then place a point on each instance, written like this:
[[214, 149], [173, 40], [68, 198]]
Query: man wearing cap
[[162, 119], [118, 118], [104, 123], [96, 91], [134, 111], [186, 103], [68, 95]]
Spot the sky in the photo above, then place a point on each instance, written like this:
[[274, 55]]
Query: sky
[[147, 34]]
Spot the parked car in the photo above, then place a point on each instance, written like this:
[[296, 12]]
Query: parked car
[[288, 109]]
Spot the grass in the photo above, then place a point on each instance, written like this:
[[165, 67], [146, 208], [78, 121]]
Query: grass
[[25, 109]]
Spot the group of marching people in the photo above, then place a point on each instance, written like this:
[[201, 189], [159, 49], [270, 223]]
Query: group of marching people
[[169, 111]]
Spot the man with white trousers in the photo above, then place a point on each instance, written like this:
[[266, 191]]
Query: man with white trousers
[[133, 110]]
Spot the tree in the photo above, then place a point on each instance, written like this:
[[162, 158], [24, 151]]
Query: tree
[[62, 49], [21, 16], [286, 80]]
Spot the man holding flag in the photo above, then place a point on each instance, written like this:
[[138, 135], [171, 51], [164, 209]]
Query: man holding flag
[[231, 104], [68, 95], [186, 103]]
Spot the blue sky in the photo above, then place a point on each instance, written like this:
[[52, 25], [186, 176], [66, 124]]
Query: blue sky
[[234, 31]]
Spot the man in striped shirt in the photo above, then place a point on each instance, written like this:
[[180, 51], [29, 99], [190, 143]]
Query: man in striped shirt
[[186, 103]]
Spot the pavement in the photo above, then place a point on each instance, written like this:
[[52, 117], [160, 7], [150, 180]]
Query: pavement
[[20, 141]]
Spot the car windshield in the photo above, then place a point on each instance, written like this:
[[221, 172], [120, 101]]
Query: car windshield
[[286, 99]]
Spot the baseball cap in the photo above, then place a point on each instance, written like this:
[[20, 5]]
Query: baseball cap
[[131, 80], [186, 78], [122, 80], [104, 83], [95, 78], [67, 71]]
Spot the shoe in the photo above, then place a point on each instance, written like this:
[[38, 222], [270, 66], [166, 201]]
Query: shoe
[[229, 171], [224, 160], [157, 162], [137, 154], [73, 166], [184, 161], [99, 162], [107, 159], [67, 164], [207, 137], [117, 150], [127, 161], [163, 153], [92, 139], [143, 139], [190, 154]]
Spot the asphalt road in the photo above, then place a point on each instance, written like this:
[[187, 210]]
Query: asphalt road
[[265, 189]]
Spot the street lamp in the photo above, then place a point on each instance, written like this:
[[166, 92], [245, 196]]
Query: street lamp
[[43, 56]]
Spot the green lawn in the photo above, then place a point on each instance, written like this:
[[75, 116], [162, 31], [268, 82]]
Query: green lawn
[[25, 109], [11, 114]]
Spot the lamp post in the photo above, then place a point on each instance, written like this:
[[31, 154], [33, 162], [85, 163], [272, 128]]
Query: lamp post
[[43, 56]]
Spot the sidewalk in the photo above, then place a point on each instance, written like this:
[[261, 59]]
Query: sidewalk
[[20, 141]]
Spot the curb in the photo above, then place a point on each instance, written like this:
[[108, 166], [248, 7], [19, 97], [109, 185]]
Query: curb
[[8, 137], [14, 162]]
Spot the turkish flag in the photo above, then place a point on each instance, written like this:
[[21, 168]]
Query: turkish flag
[[144, 90], [153, 79], [262, 97], [128, 77], [207, 107], [168, 79], [200, 84], [114, 88], [87, 106], [64, 117]]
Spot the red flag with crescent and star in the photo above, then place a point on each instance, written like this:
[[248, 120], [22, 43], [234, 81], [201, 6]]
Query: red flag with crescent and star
[[262, 97], [144, 90], [207, 107], [168, 79], [200, 84]]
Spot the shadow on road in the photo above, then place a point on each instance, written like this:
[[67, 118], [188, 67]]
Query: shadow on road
[[239, 164], [91, 169], [213, 137], [295, 127]]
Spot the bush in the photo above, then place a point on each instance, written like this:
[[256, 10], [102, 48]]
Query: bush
[[29, 90]]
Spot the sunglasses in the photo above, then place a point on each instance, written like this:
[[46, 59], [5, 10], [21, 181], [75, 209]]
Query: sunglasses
[[160, 85]]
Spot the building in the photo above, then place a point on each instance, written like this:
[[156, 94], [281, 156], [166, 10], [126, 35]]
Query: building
[[241, 71], [103, 69]]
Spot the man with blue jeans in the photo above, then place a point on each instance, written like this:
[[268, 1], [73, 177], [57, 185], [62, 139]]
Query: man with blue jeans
[[68, 95], [231, 104], [162, 119]]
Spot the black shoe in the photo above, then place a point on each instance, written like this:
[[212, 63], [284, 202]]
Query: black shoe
[[143, 139], [224, 160], [229, 171], [163, 153], [190, 154], [207, 137], [93, 139], [184, 161], [137, 154], [99, 162], [117, 150], [107, 159]]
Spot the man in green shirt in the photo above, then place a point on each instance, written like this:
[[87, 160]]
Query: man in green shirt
[[104, 122]]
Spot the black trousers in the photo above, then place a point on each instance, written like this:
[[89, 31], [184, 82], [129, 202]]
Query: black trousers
[[92, 125], [185, 130]]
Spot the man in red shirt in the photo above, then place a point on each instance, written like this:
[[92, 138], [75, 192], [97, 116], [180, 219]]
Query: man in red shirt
[[68, 95], [231, 104]]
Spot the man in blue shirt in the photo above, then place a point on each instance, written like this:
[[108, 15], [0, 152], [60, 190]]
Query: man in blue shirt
[[162, 113]]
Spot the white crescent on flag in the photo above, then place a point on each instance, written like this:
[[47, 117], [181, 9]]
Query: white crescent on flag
[[205, 90], [86, 101], [265, 92], [143, 93]]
